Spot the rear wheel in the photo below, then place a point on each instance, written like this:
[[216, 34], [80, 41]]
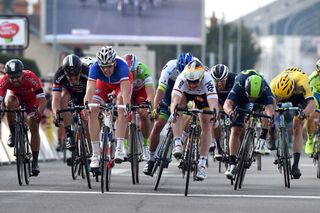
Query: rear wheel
[[27, 161], [318, 164], [84, 157]]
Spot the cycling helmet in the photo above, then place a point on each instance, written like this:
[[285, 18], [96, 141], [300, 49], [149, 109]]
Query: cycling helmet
[[14, 68], [71, 65], [194, 70], [219, 72], [132, 61], [183, 60], [254, 86], [88, 61], [318, 65], [284, 86], [106, 56]]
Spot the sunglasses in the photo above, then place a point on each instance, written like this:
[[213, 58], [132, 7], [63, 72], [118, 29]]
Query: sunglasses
[[14, 76], [193, 82], [106, 66]]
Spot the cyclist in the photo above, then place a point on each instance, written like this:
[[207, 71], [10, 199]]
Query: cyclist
[[224, 80], [142, 91], [22, 87], [162, 101], [110, 73], [70, 82], [194, 84], [314, 81], [292, 85], [248, 90]]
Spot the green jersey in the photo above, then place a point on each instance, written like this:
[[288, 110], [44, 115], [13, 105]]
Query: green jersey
[[314, 81], [143, 77]]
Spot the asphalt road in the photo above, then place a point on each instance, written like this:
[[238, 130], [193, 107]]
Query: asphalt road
[[263, 191]]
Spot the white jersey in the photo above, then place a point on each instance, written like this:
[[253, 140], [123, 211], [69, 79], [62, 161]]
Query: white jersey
[[206, 87], [169, 72]]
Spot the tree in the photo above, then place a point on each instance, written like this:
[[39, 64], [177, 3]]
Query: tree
[[249, 49]]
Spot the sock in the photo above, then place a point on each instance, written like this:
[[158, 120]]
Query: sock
[[264, 133], [232, 159], [202, 161], [218, 144], [12, 128], [152, 156], [296, 158], [95, 147], [177, 141], [35, 155], [119, 143], [145, 142], [68, 131]]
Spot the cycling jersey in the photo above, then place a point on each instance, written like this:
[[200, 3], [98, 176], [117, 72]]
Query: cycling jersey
[[28, 93], [238, 95], [229, 84], [77, 92], [168, 75], [142, 78], [301, 84], [106, 85], [314, 81]]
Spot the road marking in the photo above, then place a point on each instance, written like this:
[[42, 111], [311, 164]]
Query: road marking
[[163, 194]]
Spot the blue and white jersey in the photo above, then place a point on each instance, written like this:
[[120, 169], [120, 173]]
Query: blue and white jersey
[[121, 72]]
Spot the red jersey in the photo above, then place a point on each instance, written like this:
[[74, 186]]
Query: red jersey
[[31, 87]]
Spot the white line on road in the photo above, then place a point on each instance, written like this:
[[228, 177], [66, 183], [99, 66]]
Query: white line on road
[[162, 194]]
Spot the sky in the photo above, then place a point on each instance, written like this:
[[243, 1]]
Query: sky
[[232, 9]]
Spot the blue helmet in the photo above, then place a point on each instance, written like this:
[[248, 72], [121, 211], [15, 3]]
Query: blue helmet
[[183, 60]]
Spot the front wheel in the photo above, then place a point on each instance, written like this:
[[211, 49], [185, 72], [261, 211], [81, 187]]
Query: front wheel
[[318, 165], [84, 157], [19, 149], [134, 154]]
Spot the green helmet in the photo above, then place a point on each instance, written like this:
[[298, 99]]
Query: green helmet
[[254, 86]]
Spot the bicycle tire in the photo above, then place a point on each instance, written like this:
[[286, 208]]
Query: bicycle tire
[[110, 163], [286, 161], [75, 166], [134, 154], [318, 165], [84, 157], [27, 160], [189, 161], [241, 171], [19, 153], [163, 157], [103, 161]]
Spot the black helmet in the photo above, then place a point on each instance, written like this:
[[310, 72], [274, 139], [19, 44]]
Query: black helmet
[[219, 72], [71, 65], [14, 68]]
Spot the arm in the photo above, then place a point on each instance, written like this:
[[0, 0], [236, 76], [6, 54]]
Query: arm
[[175, 100], [228, 106], [309, 108], [150, 94], [213, 104], [91, 87], [42, 104], [125, 91], [56, 99]]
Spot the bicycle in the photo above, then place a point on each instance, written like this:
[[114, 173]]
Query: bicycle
[[135, 143], [22, 147], [81, 154], [225, 124], [316, 147], [107, 141], [189, 161], [283, 155], [246, 152]]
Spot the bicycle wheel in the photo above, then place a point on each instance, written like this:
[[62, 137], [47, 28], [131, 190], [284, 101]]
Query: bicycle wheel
[[318, 165], [285, 158], [189, 146], [134, 153], [19, 153], [76, 162], [84, 156], [103, 160], [243, 158], [27, 160], [162, 162], [110, 163]]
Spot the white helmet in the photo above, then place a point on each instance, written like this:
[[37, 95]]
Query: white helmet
[[194, 71], [106, 55], [88, 61], [318, 65]]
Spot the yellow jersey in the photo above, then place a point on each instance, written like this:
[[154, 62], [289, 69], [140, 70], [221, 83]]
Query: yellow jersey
[[301, 83]]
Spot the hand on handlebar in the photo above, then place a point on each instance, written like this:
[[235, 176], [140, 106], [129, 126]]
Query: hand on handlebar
[[56, 120]]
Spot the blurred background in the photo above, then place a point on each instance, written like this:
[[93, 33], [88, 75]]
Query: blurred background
[[268, 35]]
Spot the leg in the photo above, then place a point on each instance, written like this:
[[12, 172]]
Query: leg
[[11, 102], [297, 146]]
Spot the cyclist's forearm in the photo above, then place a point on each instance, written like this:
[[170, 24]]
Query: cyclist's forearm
[[125, 91], [309, 108], [42, 105], [150, 95], [56, 98], [91, 87], [158, 97]]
